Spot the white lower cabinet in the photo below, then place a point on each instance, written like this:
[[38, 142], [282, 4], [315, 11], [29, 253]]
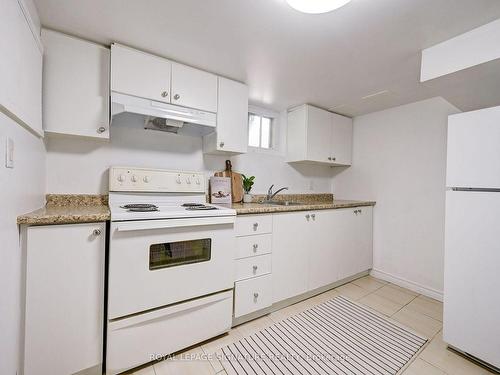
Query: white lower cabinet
[[324, 252], [253, 288], [314, 249], [252, 295], [354, 240], [64, 299], [291, 258]]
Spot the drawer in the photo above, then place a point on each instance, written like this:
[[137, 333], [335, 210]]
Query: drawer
[[250, 246], [254, 266], [253, 224], [252, 295]]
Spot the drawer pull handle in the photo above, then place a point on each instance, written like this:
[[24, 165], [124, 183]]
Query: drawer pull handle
[[255, 226], [256, 295], [255, 247], [255, 269]]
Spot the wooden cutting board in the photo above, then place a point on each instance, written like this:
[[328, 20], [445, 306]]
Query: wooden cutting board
[[236, 182]]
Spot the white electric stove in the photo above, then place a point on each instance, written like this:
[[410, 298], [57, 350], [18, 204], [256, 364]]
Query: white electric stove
[[170, 269]]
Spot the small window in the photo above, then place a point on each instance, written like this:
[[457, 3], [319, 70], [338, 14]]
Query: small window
[[260, 131]]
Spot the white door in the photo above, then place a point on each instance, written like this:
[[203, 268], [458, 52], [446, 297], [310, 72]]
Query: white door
[[64, 299], [194, 88], [474, 149], [341, 143], [140, 74], [76, 86], [291, 248], [471, 278], [323, 249], [319, 134], [20, 67], [232, 116], [352, 233]]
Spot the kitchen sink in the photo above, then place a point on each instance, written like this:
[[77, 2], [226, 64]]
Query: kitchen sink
[[282, 203]]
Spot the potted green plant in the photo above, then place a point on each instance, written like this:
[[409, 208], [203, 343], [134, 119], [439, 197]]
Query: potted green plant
[[247, 186]]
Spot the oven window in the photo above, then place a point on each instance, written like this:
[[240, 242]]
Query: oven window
[[170, 254]]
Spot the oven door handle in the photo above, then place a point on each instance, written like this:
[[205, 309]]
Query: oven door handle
[[128, 226]]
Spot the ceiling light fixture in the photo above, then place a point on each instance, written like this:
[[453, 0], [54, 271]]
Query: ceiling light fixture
[[316, 6]]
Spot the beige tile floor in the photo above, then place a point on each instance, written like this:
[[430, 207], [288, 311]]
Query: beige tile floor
[[420, 313]]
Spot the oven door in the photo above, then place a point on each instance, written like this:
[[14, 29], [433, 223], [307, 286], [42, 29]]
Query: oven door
[[154, 263]]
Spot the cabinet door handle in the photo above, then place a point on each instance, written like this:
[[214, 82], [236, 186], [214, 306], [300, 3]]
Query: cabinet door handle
[[96, 232], [255, 269], [101, 129], [221, 144], [313, 216], [334, 159], [164, 94], [329, 158], [308, 216], [177, 96], [255, 226], [255, 247], [256, 295]]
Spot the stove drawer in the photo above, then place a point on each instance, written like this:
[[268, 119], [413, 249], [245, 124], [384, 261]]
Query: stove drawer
[[252, 295], [252, 267], [250, 246], [136, 340], [247, 225]]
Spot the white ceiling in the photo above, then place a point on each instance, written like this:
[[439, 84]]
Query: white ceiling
[[287, 58]]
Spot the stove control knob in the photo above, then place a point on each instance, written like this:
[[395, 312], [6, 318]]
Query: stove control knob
[[146, 179], [121, 178], [134, 178], [188, 180], [198, 182], [178, 180]]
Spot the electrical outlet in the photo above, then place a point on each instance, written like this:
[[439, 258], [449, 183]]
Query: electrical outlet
[[9, 153]]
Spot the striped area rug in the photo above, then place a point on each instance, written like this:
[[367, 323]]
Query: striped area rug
[[335, 337]]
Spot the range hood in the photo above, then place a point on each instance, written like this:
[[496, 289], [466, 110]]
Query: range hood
[[164, 117]]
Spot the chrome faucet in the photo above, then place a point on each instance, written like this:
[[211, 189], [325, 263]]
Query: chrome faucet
[[271, 195]]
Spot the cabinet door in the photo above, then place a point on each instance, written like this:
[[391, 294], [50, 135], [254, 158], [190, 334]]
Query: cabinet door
[[20, 68], [323, 249], [290, 255], [474, 149], [194, 88], [319, 134], [232, 116], [140, 74], [353, 233], [341, 143], [76, 86], [64, 299]]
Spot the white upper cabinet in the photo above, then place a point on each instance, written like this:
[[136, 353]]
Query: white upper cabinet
[[474, 149], [231, 135], [147, 76], [193, 88], [20, 66], [341, 144], [319, 136], [75, 86], [140, 74]]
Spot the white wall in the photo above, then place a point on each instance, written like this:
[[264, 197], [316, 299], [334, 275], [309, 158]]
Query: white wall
[[22, 190], [399, 160], [81, 166]]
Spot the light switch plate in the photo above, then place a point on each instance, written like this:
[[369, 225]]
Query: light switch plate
[[9, 153]]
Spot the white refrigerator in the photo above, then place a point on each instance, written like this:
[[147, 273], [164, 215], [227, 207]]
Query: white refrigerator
[[472, 236]]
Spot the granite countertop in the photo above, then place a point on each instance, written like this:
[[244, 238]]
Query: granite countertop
[[69, 209], [310, 202]]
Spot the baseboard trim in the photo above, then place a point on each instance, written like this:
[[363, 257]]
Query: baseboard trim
[[416, 287]]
